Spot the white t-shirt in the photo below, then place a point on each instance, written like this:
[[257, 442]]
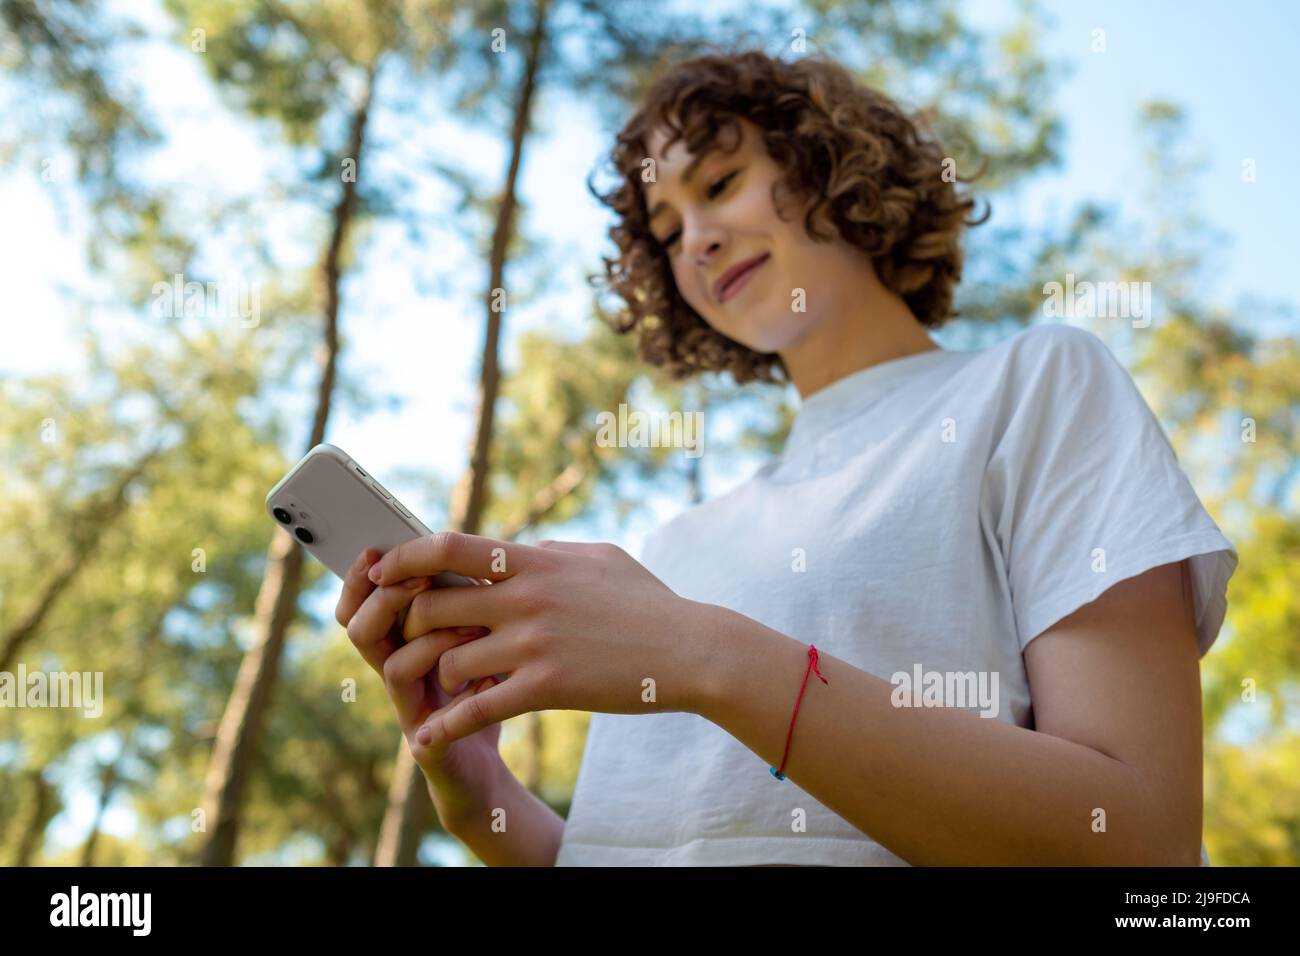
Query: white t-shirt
[[946, 508]]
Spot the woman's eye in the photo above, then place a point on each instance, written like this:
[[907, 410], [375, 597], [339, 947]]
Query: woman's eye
[[725, 179], [668, 242]]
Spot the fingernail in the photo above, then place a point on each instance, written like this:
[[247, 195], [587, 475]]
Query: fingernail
[[424, 735], [360, 562], [375, 574]]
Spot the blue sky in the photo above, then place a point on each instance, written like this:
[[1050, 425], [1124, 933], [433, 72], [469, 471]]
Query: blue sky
[[1229, 66], [1233, 67]]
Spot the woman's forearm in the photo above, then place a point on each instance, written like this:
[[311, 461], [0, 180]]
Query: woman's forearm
[[515, 828], [937, 786]]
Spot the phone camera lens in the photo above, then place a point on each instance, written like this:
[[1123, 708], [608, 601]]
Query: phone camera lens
[[304, 535], [281, 515]]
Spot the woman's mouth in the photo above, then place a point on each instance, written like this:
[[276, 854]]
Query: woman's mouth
[[733, 288]]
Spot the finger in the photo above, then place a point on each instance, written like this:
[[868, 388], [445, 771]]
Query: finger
[[496, 653], [576, 547], [356, 586], [371, 627], [428, 756], [472, 712], [407, 667], [437, 608], [469, 554]]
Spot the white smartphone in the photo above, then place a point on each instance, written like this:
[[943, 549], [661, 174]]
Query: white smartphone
[[337, 509]]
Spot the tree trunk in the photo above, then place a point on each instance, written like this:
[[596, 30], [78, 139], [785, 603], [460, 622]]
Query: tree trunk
[[543, 501], [277, 600], [42, 811], [339, 849], [409, 810], [89, 530], [108, 783]]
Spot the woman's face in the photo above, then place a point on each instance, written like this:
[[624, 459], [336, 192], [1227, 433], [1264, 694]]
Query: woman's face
[[723, 217]]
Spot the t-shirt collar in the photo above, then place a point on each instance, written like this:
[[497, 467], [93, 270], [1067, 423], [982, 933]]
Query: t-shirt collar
[[840, 402]]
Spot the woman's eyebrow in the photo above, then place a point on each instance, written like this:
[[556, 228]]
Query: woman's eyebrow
[[686, 181]]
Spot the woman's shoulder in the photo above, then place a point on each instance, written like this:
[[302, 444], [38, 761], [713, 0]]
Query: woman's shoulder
[[1052, 342], [1055, 365]]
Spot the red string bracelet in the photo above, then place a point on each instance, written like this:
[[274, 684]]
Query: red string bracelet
[[812, 667]]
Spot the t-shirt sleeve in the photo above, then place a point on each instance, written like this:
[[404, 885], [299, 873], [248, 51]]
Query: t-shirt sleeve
[[1083, 488]]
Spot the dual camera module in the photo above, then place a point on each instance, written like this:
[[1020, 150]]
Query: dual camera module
[[284, 517]]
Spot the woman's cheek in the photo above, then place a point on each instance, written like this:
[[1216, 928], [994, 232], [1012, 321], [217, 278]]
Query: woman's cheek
[[692, 295]]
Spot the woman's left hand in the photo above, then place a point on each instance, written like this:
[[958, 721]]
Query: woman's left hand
[[575, 626]]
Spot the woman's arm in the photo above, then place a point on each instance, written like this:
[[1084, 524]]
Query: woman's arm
[[1117, 707], [527, 832]]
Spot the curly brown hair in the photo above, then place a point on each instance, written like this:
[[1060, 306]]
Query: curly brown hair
[[873, 175]]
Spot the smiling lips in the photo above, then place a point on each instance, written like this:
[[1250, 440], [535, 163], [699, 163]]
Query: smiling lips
[[735, 277]]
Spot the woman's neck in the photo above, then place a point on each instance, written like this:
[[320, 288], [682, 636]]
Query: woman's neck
[[883, 330]]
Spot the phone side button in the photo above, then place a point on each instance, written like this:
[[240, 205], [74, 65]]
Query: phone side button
[[387, 496], [401, 509]]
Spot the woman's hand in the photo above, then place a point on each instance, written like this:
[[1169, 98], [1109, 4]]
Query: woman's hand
[[574, 626], [463, 773]]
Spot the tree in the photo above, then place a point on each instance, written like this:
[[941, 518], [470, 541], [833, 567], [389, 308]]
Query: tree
[[245, 51]]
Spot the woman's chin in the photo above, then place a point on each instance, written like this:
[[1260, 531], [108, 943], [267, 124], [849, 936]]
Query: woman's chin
[[766, 339], [765, 334]]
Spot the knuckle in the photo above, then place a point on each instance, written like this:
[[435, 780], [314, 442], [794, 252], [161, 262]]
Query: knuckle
[[477, 710], [355, 630], [439, 728], [531, 599], [392, 670], [447, 667], [445, 544], [546, 560], [393, 596], [532, 641], [546, 683], [429, 646]]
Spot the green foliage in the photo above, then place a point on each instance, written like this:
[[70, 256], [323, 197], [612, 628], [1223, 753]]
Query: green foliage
[[1258, 667], [1252, 805], [162, 598]]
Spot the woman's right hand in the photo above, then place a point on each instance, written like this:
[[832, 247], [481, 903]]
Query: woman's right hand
[[462, 774]]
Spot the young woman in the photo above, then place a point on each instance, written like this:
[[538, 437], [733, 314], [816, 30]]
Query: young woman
[[957, 621]]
